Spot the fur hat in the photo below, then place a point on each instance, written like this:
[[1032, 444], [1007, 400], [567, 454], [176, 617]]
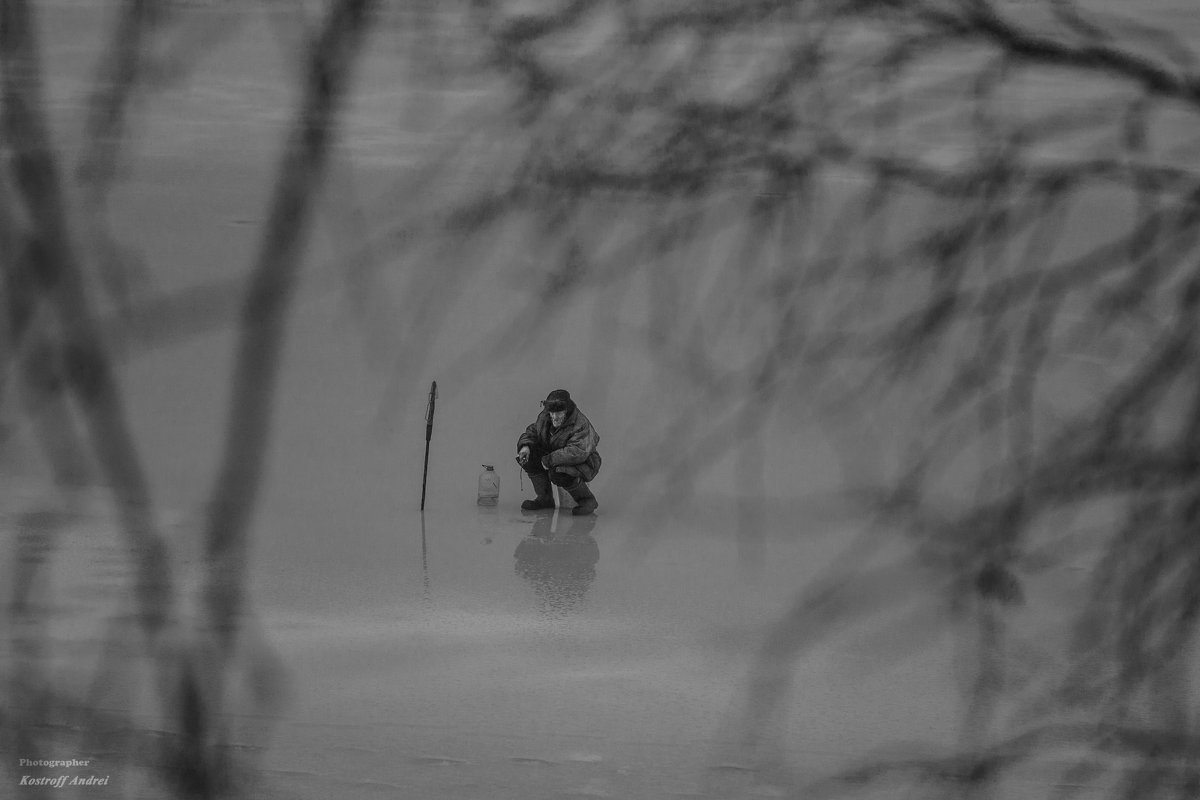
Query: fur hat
[[559, 400]]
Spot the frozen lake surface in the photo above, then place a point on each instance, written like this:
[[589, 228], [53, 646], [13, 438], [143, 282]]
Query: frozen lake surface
[[521, 655], [486, 652], [490, 652]]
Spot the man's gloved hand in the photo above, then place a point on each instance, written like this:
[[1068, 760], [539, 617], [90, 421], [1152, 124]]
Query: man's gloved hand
[[546, 462], [523, 456]]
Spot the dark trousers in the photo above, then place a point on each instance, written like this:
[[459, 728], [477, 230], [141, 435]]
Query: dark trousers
[[568, 476]]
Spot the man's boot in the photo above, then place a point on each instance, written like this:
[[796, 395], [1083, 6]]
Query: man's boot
[[544, 499], [584, 499]]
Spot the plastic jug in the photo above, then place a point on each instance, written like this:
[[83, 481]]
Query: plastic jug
[[489, 486]]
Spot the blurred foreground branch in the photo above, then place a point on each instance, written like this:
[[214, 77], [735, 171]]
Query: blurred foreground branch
[[54, 330]]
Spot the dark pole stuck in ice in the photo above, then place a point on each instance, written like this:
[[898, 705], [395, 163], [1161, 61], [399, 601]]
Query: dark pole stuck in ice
[[428, 435], [424, 565]]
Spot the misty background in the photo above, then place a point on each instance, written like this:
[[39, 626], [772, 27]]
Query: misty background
[[884, 312]]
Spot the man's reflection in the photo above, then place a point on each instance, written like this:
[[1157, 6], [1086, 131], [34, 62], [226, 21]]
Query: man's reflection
[[560, 564]]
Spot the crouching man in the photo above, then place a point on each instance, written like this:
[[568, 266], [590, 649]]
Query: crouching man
[[560, 448]]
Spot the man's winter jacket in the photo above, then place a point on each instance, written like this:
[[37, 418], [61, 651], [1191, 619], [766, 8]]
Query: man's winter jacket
[[571, 444]]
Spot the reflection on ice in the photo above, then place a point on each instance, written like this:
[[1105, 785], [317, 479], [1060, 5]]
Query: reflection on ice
[[559, 562]]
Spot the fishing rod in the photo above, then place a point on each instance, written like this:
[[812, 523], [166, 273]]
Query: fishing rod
[[428, 435]]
